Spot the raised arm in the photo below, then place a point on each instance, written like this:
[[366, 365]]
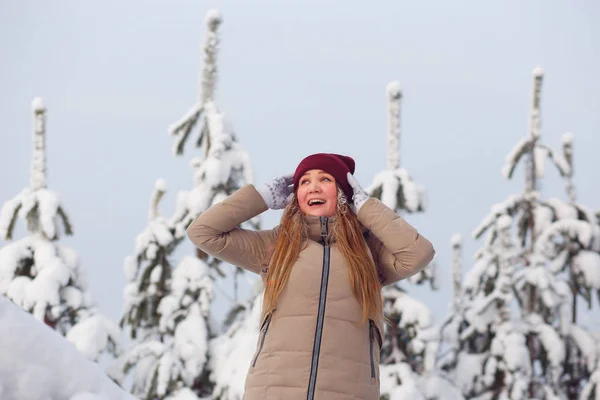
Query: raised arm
[[399, 250], [216, 231]]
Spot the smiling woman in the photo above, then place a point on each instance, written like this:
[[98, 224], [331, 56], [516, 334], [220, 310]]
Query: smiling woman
[[324, 267], [317, 193]]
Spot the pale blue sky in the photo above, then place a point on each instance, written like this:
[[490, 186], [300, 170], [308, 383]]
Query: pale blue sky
[[296, 77]]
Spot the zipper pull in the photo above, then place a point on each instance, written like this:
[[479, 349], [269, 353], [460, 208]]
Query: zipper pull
[[323, 228]]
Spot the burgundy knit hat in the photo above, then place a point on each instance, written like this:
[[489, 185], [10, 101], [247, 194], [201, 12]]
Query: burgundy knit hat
[[335, 164]]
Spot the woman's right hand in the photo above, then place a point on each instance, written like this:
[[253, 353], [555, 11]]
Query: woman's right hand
[[278, 193]]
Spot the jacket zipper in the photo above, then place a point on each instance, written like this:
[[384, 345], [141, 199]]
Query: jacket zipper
[[372, 330], [312, 383], [262, 339]]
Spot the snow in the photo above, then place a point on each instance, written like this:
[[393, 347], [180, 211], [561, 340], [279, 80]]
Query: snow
[[586, 344], [43, 288], [182, 394], [514, 156], [93, 335], [171, 350], [552, 343], [507, 207], [37, 105], [587, 265], [37, 363], [439, 388], [399, 382], [413, 312], [41, 209], [182, 354], [567, 138], [456, 239], [396, 189], [232, 352], [509, 346], [180, 130], [592, 385], [161, 184], [213, 17], [54, 290], [394, 89], [226, 165], [521, 286], [199, 115]]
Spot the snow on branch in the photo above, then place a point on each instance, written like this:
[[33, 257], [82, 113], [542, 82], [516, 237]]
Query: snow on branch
[[181, 357], [531, 147], [456, 242], [509, 207], [42, 211], [584, 233], [40, 207], [232, 352], [94, 335], [396, 189], [148, 269], [199, 113], [394, 91], [226, 168], [540, 154], [34, 273], [38, 167]]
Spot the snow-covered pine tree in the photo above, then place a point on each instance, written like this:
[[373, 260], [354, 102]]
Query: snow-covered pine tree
[[41, 275], [515, 331], [171, 360], [148, 271], [232, 351], [166, 311], [448, 349], [222, 168], [572, 243], [410, 341]]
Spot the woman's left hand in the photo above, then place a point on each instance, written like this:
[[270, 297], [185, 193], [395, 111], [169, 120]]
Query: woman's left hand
[[360, 196]]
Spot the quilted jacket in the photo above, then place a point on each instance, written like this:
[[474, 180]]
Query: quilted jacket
[[313, 346]]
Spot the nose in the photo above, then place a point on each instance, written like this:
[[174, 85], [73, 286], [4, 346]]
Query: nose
[[314, 187]]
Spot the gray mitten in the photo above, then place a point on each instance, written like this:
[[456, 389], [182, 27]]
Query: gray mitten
[[360, 196], [278, 192]]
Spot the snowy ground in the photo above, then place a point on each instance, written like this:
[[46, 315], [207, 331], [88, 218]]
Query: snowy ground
[[37, 363]]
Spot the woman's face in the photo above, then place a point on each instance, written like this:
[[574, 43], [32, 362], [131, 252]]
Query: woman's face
[[317, 193]]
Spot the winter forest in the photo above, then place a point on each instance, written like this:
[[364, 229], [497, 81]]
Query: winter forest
[[519, 319]]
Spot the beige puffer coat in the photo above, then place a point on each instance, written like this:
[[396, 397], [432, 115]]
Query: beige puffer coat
[[313, 345]]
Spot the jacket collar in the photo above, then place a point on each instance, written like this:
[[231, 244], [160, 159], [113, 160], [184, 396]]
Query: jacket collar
[[314, 228]]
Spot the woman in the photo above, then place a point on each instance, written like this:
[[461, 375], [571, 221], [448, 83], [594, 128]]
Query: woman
[[323, 268]]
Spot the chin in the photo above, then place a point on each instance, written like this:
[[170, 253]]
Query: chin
[[320, 213]]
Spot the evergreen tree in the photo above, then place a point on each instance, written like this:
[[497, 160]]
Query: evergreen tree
[[515, 330], [164, 368], [232, 351], [41, 275], [410, 340]]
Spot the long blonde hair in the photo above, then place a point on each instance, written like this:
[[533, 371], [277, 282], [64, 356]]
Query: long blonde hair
[[350, 242]]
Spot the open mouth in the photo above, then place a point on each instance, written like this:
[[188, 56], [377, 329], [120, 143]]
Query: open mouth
[[316, 202]]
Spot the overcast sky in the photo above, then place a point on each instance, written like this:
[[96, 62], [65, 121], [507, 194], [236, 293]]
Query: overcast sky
[[295, 77]]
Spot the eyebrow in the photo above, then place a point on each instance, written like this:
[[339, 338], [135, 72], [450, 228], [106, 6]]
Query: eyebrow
[[319, 173]]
